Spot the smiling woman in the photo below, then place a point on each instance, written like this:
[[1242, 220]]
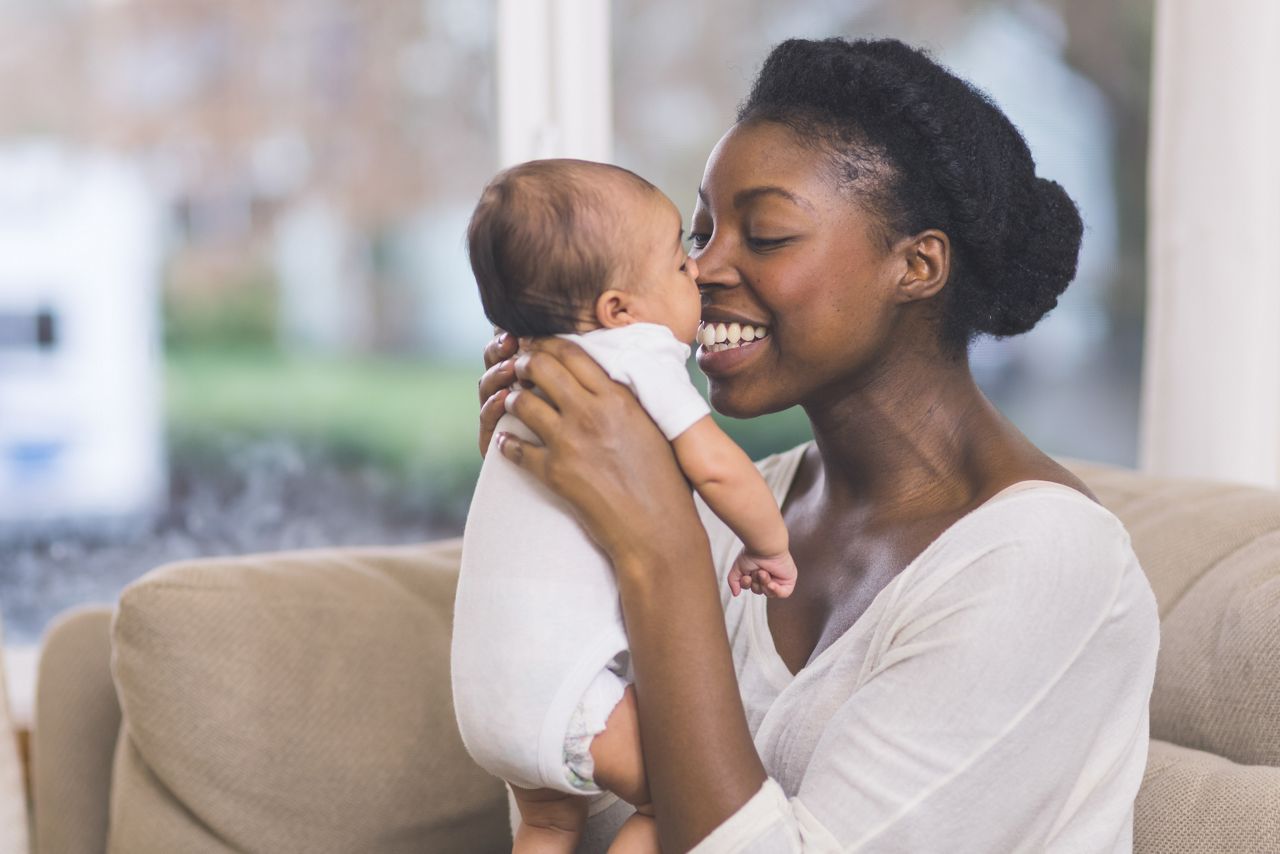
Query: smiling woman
[[966, 660]]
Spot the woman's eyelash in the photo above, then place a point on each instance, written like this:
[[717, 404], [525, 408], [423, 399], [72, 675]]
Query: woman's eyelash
[[698, 240]]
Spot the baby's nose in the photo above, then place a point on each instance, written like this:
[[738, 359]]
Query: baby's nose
[[691, 266]]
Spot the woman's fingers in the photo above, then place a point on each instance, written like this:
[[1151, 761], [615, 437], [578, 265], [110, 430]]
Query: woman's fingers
[[499, 375], [503, 346], [538, 415], [490, 412], [545, 370], [526, 455], [577, 363], [495, 382]]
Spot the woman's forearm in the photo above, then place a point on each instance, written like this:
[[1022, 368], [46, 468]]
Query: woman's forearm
[[701, 762]]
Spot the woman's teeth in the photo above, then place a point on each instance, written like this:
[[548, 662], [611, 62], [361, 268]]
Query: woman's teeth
[[715, 337]]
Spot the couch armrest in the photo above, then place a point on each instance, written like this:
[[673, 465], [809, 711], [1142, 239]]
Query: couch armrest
[[77, 719]]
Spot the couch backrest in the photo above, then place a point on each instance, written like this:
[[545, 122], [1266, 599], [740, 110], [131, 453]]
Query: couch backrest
[[264, 714], [1212, 554]]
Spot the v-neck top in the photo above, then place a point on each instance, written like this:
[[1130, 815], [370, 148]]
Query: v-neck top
[[993, 696]]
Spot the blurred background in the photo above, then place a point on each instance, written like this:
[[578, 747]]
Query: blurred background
[[235, 308]]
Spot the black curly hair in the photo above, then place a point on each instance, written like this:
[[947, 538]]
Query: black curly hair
[[922, 148]]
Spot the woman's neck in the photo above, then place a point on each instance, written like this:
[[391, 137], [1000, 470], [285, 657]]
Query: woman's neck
[[916, 436]]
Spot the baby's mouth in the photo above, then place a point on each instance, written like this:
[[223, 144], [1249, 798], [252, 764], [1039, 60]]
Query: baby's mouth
[[715, 337]]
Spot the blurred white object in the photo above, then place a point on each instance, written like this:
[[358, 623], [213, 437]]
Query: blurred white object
[[1211, 383], [80, 385], [554, 80], [316, 256]]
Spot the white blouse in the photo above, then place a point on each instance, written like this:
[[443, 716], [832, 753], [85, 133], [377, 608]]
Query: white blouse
[[993, 697]]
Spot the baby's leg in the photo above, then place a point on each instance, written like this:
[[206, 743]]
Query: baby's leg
[[616, 755], [551, 822], [619, 767]]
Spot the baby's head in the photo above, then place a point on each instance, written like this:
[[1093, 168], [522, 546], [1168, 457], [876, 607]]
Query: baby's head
[[570, 245]]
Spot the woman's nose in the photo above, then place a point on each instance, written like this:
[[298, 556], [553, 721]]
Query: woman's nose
[[713, 268]]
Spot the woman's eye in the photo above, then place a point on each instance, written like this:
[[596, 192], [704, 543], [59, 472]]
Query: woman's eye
[[764, 244], [698, 240]]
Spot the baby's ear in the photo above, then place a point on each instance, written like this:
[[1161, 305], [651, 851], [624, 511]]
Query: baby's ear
[[613, 309]]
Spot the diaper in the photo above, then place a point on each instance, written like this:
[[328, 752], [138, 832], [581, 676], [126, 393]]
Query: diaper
[[587, 721]]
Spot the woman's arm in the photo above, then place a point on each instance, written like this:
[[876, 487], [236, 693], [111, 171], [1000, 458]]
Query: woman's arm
[[608, 460]]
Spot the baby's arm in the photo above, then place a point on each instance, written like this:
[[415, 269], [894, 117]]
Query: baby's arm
[[734, 490]]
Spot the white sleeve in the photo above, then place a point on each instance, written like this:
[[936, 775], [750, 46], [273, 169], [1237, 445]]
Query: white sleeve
[[985, 721]]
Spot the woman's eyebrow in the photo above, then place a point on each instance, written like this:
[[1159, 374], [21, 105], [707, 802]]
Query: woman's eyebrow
[[743, 197]]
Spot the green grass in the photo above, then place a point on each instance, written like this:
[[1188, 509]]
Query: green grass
[[416, 417]]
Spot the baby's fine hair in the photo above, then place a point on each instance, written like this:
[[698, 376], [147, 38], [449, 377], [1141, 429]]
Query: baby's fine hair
[[544, 242]]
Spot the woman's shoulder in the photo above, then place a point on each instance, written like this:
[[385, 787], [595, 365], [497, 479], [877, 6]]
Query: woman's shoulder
[[1036, 544]]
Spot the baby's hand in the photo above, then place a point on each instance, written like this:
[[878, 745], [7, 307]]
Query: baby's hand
[[774, 575]]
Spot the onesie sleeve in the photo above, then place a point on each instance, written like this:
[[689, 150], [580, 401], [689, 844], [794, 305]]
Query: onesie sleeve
[[1000, 698], [664, 389], [647, 358]]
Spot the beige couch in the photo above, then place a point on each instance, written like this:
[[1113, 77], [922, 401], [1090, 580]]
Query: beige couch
[[300, 702]]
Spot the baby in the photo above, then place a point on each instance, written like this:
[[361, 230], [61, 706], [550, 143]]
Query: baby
[[541, 686]]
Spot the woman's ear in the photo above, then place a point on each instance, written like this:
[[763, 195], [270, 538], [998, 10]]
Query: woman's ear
[[613, 309], [928, 265]]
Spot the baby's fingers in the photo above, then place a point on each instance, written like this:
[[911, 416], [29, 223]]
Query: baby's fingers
[[735, 581], [779, 589]]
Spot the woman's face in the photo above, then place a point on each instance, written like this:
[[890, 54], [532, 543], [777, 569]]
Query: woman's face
[[778, 245]]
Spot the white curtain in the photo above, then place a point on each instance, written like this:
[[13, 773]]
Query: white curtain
[[1211, 386]]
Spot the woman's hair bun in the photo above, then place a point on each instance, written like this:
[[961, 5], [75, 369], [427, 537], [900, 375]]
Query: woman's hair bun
[[1039, 260]]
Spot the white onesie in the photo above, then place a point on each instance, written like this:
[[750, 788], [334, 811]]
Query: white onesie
[[539, 652]]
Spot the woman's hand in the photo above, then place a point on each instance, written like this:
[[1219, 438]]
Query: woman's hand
[[600, 452], [495, 383]]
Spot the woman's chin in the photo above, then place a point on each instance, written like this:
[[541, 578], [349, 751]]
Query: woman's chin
[[736, 402]]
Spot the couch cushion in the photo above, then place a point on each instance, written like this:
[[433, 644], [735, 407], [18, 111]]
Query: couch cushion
[[1193, 802], [1212, 553], [295, 702]]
